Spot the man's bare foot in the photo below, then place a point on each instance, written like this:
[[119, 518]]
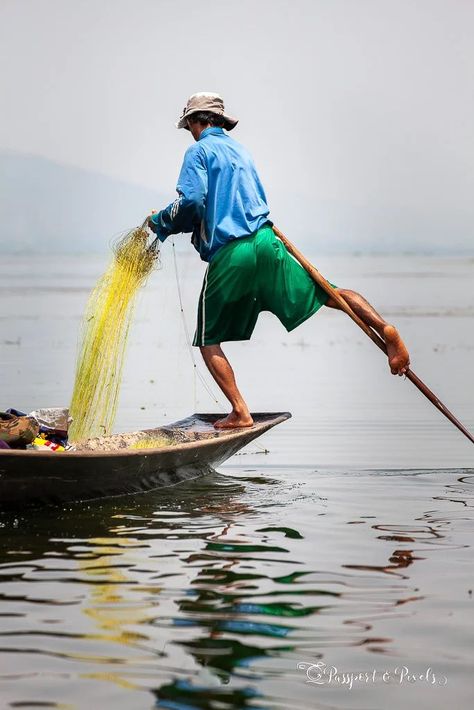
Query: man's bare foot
[[398, 357], [234, 421]]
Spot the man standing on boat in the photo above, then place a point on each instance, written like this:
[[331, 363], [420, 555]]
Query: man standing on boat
[[222, 202]]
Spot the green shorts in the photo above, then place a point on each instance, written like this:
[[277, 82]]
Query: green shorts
[[250, 275]]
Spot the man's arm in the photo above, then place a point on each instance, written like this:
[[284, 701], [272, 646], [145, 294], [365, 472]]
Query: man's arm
[[188, 208]]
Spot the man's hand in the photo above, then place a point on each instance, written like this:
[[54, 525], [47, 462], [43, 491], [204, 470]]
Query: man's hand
[[149, 218]]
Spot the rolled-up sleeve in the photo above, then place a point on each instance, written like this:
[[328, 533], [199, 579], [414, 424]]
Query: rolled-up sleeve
[[187, 210]]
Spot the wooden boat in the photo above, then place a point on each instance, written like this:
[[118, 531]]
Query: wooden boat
[[118, 465]]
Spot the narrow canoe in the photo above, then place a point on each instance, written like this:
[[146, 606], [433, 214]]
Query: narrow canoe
[[117, 465]]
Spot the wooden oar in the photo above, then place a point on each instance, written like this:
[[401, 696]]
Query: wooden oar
[[375, 337]]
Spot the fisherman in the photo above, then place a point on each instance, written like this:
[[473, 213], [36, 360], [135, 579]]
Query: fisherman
[[222, 202]]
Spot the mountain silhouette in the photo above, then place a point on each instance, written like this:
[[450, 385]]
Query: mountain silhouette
[[49, 207]]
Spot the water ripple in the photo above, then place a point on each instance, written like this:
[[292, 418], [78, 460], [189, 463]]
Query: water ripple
[[193, 600]]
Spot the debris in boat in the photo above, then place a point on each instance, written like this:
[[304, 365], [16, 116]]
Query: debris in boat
[[17, 431], [41, 428], [52, 418], [43, 444], [105, 329], [134, 440], [145, 439], [48, 432], [153, 443]]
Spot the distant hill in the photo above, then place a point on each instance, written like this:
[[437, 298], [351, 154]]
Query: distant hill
[[48, 207]]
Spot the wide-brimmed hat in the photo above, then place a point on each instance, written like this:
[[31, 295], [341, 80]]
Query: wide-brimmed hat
[[206, 101]]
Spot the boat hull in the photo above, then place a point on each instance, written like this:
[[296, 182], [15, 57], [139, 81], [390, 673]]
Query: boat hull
[[33, 478]]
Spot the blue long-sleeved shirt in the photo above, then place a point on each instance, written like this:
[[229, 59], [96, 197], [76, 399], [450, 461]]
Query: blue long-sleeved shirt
[[220, 196]]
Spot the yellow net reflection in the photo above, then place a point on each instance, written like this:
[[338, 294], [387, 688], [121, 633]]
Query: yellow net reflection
[[104, 335]]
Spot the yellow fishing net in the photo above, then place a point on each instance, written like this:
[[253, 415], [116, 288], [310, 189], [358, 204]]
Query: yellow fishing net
[[104, 334], [155, 443]]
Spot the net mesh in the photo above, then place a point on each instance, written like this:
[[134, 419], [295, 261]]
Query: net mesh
[[104, 334], [156, 442]]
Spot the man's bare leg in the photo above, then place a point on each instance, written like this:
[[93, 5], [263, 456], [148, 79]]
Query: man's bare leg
[[398, 357], [219, 367]]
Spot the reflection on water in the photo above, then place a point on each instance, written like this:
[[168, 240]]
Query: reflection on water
[[209, 595]]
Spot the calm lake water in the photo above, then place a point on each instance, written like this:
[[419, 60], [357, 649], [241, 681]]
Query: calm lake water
[[348, 545]]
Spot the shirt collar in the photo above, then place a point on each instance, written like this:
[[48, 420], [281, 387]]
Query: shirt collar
[[211, 131]]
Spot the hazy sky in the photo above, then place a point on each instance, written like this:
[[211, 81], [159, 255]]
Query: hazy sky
[[359, 113]]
